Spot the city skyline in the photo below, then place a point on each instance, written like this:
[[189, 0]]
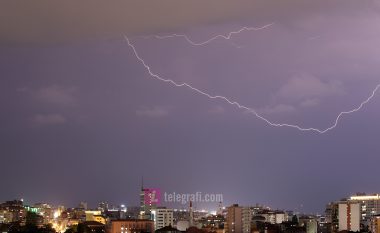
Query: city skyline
[[358, 213]]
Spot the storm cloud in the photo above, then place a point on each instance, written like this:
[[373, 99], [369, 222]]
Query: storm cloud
[[43, 21], [86, 119]]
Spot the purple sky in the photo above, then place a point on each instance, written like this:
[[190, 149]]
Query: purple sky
[[81, 119]]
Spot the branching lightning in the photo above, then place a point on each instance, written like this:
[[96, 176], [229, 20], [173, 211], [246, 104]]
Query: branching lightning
[[240, 106], [229, 35]]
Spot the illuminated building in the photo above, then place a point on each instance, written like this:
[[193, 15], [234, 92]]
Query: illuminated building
[[162, 217], [15, 210], [93, 226], [370, 205], [45, 211], [73, 222], [103, 206], [116, 212], [90, 214], [130, 225], [349, 216], [100, 218], [146, 203], [80, 211], [95, 215], [273, 217], [375, 224], [3, 218], [310, 223], [212, 222], [238, 219]]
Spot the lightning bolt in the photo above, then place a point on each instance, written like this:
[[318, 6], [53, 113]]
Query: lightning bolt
[[229, 35], [240, 106]]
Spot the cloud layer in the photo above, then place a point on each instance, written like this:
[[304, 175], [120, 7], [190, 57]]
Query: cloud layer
[[156, 111], [48, 119], [61, 21], [306, 86]]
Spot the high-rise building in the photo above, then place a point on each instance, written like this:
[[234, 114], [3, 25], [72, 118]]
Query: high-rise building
[[45, 211], [103, 206], [130, 225], [162, 217], [238, 219], [14, 211], [146, 207], [349, 213], [272, 217], [146, 203], [375, 224], [220, 209], [191, 214], [331, 214], [370, 205]]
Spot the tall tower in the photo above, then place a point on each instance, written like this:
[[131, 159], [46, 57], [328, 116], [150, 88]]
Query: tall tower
[[191, 214], [238, 219], [220, 209], [143, 209], [349, 216], [146, 204]]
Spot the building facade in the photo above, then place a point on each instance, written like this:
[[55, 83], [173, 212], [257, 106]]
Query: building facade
[[310, 223], [13, 211], [331, 214], [162, 217], [130, 225], [349, 216], [375, 224], [146, 203], [238, 219], [370, 205]]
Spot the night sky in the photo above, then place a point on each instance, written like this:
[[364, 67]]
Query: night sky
[[82, 120]]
